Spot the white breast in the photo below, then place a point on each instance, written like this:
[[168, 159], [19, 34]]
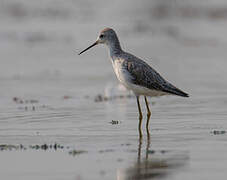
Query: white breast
[[122, 74]]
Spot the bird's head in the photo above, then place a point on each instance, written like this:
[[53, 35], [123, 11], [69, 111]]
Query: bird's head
[[106, 36]]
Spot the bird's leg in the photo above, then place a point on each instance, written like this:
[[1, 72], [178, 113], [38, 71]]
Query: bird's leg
[[148, 115], [140, 116]]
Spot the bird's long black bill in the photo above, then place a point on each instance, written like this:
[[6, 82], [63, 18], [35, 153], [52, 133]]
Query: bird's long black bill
[[88, 48]]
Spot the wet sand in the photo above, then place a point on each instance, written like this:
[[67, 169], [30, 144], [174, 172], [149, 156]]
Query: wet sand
[[64, 116]]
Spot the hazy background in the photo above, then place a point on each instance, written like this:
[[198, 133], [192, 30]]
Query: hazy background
[[48, 93]]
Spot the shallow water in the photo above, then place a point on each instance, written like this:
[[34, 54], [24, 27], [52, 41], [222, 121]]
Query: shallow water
[[49, 94]]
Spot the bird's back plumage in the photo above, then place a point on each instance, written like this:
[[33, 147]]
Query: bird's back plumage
[[143, 75]]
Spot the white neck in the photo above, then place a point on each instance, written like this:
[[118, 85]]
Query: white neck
[[114, 48]]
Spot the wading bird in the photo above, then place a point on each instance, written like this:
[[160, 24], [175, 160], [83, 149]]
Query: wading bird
[[135, 74]]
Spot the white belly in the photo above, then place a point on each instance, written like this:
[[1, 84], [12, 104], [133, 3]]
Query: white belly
[[125, 78], [140, 90]]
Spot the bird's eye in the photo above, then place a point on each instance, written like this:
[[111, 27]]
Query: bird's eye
[[101, 36]]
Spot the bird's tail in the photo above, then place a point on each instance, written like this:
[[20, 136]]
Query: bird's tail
[[173, 90]]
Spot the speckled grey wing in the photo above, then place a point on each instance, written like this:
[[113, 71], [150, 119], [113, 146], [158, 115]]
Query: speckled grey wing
[[144, 75]]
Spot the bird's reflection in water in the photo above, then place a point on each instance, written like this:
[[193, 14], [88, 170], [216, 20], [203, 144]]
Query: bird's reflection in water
[[152, 164]]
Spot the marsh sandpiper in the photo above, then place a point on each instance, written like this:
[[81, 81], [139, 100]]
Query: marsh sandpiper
[[135, 74]]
